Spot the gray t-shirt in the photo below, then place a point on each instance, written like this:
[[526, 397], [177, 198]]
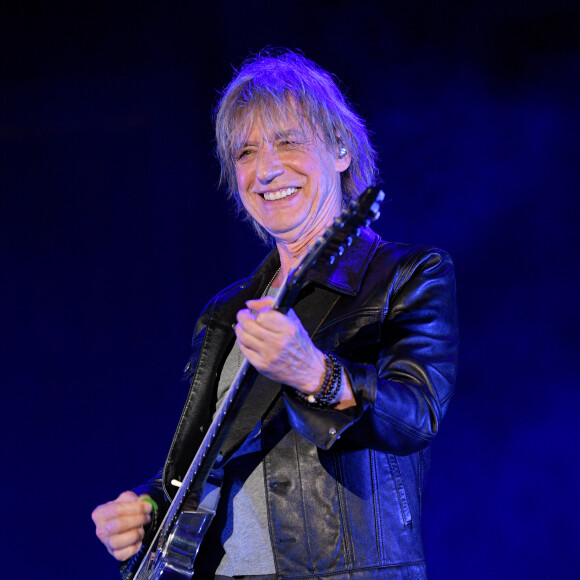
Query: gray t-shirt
[[245, 537]]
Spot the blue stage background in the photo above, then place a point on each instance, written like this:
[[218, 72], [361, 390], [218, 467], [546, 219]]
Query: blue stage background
[[114, 235]]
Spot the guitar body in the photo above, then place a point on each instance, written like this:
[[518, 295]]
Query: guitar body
[[173, 559], [173, 551]]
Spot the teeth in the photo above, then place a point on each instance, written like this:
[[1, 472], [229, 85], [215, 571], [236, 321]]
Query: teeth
[[281, 193]]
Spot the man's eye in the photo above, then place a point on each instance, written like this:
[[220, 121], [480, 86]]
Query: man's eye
[[287, 143], [244, 153]]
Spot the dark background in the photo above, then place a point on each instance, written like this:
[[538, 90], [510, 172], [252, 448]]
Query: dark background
[[114, 235]]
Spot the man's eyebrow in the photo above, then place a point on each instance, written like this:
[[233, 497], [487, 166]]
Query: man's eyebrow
[[285, 133], [282, 134], [245, 143]]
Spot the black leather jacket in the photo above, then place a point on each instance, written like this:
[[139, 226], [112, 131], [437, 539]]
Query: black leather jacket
[[343, 488]]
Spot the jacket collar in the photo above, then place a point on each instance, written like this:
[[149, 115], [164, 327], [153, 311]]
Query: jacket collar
[[344, 276]]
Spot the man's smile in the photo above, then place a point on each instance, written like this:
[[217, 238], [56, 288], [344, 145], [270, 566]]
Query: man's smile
[[279, 194]]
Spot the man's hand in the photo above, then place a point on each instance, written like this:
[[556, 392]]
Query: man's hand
[[120, 524], [278, 346]]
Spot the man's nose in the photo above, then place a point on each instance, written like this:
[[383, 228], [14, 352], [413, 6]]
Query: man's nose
[[268, 165]]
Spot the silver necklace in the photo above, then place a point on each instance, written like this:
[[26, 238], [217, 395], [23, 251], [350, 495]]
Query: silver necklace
[[271, 282]]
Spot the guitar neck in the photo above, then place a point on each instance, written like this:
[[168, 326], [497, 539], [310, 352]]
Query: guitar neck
[[326, 248], [330, 244]]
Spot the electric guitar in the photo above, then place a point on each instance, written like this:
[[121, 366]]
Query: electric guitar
[[173, 550]]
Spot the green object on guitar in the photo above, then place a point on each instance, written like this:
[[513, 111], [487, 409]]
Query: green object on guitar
[[151, 501]]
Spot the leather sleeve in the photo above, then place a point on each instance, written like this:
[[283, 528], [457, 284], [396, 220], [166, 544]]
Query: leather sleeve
[[402, 398]]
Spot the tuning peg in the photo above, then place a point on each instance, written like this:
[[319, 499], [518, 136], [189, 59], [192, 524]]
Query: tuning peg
[[357, 232], [348, 241], [331, 259], [340, 250]]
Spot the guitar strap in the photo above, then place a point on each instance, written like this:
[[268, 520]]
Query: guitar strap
[[312, 308]]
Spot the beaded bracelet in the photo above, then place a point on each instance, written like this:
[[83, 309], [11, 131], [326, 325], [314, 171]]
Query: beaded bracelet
[[330, 385]]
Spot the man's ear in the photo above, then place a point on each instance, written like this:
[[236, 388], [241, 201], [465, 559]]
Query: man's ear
[[343, 159]]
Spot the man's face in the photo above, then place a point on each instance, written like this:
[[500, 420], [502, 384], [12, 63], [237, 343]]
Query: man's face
[[289, 181]]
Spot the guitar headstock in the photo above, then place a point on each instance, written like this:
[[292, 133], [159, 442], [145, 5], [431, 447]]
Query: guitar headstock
[[335, 240]]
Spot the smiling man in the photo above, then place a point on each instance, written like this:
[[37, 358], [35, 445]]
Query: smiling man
[[353, 383], [289, 181]]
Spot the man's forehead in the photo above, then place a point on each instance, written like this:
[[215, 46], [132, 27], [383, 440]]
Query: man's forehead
[[269, 133], [271, 125]]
